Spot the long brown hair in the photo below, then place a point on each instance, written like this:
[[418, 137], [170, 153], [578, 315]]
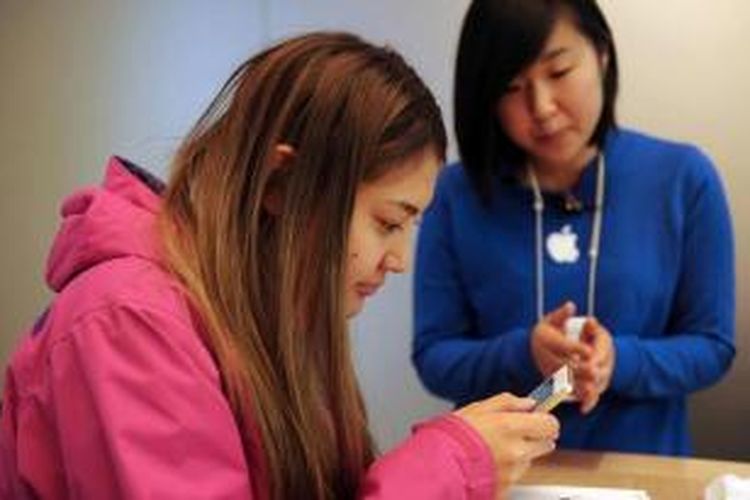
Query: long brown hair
[[269, 287]]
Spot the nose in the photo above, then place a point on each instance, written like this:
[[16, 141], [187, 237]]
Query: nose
[[397, 258], [541, 101], [395, 264]]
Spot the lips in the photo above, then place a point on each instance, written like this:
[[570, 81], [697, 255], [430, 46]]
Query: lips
[[367, 289], [548, 135]]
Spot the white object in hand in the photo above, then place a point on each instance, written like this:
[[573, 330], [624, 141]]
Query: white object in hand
[[573, 327]]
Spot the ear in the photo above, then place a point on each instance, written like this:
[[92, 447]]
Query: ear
[[604, 61], [281, 159], [282, 156]]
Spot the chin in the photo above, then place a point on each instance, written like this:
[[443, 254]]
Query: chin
[[353, 307], [559, 148], [557, 156]]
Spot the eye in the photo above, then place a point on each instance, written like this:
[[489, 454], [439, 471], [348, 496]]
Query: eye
[[560, 73], [389, 226], [512, 88]]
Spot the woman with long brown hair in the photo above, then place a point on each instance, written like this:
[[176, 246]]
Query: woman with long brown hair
[[198, 346]]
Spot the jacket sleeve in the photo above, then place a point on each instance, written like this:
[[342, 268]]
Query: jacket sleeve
[[443, 459], [452, 360], [698, 347], [140, 412]]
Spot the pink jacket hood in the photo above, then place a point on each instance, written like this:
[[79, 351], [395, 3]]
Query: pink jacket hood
[[106, 222]]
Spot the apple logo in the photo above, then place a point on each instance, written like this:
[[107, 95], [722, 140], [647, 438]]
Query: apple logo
[[562, 245]]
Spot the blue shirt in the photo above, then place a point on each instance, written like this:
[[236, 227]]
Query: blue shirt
[[664, 289]]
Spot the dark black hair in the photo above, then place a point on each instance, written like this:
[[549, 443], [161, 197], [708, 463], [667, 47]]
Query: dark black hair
[[499, 38]]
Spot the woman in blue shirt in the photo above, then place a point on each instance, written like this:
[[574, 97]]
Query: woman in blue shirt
[[554, 211]]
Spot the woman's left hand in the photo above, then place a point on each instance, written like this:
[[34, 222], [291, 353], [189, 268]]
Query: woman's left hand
[[593, 374]]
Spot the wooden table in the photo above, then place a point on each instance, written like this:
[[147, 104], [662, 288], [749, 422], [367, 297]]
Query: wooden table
[[664, 478]]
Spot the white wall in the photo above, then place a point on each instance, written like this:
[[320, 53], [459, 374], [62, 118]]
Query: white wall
[[686, 75], [83, 79], [91, 77]]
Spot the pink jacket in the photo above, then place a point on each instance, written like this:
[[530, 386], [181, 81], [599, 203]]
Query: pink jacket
[[113, 395]]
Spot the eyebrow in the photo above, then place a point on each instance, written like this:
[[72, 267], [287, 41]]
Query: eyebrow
[[554, 53], [406, 206]]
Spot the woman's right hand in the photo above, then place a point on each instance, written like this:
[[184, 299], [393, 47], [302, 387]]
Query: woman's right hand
[[549, 346], [514, 434]]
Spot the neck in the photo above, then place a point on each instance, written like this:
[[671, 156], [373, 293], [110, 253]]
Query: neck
[[558, 177]]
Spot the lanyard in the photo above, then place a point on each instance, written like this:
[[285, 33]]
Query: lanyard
[[594, 240]]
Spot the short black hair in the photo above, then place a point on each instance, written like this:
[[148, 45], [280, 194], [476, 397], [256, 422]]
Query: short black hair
[[499, 38]]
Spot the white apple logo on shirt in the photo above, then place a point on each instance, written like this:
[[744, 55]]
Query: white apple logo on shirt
[[562, 245]]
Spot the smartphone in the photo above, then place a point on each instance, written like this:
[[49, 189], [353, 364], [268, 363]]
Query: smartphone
[[574, 327], [554, 390]]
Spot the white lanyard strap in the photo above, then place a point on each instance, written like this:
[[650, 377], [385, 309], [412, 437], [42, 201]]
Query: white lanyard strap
[[594, 240]]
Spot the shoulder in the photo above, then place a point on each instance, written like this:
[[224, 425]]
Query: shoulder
[[455, 187], [119, 308], [121, 364], [642, 146], [453, 177], [679, 163], [128, 282], [119, 323]]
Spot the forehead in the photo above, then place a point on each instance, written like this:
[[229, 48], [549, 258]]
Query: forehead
[[563, 37], [408, 181]]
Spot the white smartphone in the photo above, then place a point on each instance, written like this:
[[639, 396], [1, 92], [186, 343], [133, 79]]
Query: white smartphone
[[574, 326], [554, 390], [573, 329]]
